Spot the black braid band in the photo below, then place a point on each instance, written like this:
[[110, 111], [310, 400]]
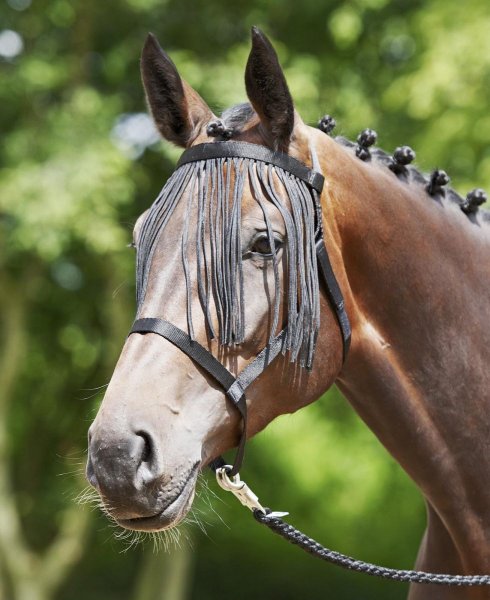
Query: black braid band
[[294, 536]]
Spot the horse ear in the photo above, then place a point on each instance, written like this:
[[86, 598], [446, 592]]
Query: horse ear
[[178, 110], [268, 91]]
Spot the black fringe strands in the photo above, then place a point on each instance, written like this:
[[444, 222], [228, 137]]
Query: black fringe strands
[[212, 232]]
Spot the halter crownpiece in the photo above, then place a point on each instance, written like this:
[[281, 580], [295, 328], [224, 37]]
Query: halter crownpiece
[[216, 172]]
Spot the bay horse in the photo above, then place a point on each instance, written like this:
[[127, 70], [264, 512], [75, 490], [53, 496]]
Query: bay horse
[[412, 261]]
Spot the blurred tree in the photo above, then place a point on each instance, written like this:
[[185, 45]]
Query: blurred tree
[[79, 163]]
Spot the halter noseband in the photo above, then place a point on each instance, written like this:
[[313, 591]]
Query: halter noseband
[[235, 387]]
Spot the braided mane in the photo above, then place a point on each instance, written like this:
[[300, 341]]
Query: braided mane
[[414, 176], [435, 184]]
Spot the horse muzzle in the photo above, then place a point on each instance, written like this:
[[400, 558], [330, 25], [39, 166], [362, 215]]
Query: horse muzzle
[[137, 492]]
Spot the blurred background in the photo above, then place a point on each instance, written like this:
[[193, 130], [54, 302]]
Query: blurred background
[[80, 160]]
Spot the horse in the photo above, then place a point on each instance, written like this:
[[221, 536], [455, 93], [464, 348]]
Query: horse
[[411, 259]]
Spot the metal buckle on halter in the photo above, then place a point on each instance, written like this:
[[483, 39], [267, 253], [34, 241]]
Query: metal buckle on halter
[[242, 492]]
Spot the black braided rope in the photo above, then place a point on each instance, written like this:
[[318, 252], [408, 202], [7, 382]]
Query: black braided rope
[[294, 536]]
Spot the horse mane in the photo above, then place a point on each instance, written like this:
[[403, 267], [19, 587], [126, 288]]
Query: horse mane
[[237, 116], [415, 176]]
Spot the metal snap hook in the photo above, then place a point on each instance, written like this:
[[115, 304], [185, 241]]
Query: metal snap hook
[[242, 492], [238, 488]]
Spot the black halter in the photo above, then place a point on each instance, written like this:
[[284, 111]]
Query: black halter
[[234, 387]]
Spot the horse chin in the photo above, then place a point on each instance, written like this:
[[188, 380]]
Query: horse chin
[[171, 512]]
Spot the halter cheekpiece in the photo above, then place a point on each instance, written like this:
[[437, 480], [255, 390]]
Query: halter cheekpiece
[[295, 177]]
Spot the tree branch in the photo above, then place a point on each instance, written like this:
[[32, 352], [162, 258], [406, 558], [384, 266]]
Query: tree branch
[[66, 549], [16, 556]]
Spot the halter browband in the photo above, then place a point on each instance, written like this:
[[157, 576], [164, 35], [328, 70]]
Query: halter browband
[[234, 387], [246, 150]]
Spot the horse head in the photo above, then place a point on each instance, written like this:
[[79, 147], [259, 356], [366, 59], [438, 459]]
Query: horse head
[[226, 253]]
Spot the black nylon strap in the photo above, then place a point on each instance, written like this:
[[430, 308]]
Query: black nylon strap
[[193, 349], [334, 294], [246, 150], [232, 386], [262, 360]]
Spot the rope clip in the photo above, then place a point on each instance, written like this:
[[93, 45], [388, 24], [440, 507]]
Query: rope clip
[[242, 492]]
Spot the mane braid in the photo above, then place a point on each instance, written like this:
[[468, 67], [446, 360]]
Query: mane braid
[[412, 175], [212, 231]]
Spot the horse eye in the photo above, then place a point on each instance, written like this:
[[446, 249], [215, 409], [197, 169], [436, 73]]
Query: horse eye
[[262, 245]]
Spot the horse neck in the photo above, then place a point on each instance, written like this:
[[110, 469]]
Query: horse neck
[[416, 280]]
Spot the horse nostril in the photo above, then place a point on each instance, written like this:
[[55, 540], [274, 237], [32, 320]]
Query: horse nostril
[[122, 462], [148, 465], [147, 451]]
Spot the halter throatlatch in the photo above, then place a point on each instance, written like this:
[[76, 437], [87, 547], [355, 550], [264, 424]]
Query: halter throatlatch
[[215, 174]]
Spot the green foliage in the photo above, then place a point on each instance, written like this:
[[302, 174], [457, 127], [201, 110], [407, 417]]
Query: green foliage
[[418, 72]]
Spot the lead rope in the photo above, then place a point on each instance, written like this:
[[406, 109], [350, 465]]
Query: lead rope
[[273, 520]]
